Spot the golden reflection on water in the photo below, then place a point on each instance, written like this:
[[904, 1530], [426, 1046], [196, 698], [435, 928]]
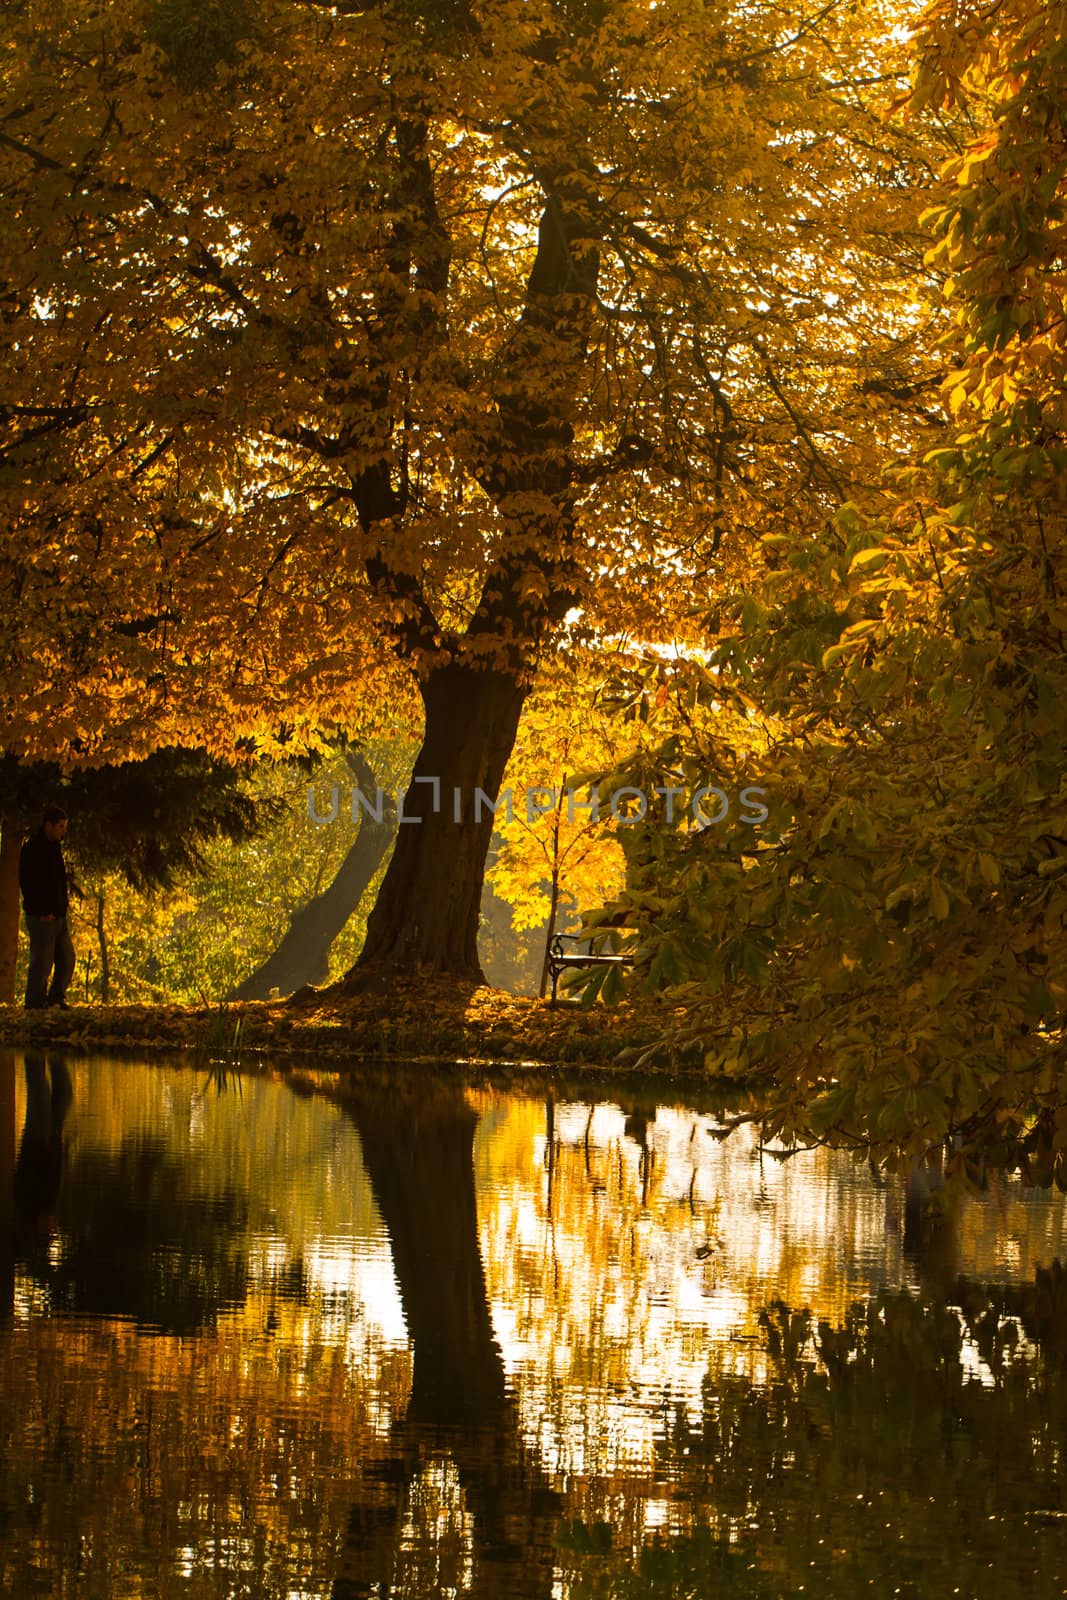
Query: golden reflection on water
[[630, 1266], [240, 1358]]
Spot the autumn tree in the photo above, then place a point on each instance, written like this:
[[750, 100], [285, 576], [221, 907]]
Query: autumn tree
[[280, 906], [147, 821], [555, 846], [886, 957], [352, 346], [302, 955]]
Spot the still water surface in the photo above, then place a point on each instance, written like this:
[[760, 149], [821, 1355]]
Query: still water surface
[[301, 1339]]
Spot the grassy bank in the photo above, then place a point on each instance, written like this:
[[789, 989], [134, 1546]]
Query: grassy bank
[[435, 1023]]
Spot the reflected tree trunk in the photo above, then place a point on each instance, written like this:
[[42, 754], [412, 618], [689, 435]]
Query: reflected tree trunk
[[7, 1185], [38, 1170], [419, 1156], [420, 1161], [930, 1238]]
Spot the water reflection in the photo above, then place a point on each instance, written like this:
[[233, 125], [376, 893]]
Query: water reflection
[[457, 1481], [7, 1184], [423, 1341], [39, 1166]]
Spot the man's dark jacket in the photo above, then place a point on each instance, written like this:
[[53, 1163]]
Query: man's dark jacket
[[43, 876]]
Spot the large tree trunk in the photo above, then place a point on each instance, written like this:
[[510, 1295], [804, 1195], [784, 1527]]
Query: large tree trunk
[[474, 682], [10, 844], [425, 919], [303, 956]]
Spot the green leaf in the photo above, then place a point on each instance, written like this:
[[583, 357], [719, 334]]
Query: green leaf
[[939, 901]]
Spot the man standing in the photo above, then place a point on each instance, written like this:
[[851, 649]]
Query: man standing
[[43, 880]]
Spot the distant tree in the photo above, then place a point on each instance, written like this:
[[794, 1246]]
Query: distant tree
[[228, 917], [556, 847], [147, 820], [302, 955]]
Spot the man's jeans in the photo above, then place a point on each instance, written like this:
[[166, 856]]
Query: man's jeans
[[50, 948]]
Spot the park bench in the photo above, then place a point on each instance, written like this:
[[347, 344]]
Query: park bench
[[561, 960]]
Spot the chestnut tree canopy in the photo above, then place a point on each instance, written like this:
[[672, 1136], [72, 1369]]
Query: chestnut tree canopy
[[357, 354]]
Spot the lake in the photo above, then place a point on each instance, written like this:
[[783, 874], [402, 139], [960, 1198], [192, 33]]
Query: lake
[[297, 1337]]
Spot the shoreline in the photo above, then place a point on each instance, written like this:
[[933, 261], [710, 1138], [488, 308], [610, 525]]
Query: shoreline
[[482, 1035]]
